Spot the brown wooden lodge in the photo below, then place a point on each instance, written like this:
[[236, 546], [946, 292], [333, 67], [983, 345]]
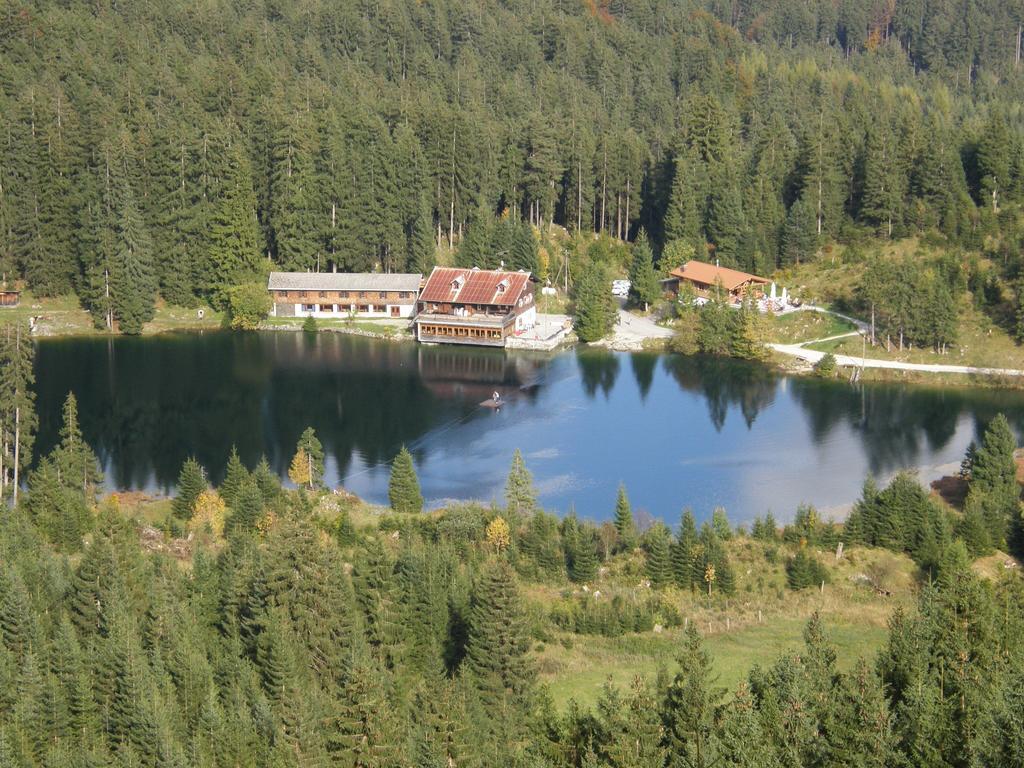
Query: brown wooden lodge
[[475, 306], [704, 277], [9, 298]]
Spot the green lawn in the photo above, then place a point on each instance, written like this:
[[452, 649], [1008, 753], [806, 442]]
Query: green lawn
[[64, 316], [580, 673], [805, 326], [979, 342], [384, 328]]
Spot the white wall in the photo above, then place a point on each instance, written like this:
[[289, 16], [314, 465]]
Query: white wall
[[376, 311], [527, 320]]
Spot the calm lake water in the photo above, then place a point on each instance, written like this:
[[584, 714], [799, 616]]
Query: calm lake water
[[678, 431]]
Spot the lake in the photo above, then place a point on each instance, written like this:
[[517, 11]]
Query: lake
[[677, 431]]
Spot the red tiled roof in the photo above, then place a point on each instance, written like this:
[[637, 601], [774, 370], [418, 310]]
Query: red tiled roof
[[709, 274], [474, 286]]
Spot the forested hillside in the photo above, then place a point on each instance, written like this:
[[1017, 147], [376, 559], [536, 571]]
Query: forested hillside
[[178, 148], [275, 627]]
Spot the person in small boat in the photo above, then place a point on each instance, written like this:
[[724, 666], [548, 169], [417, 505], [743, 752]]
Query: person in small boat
[[496, 396]]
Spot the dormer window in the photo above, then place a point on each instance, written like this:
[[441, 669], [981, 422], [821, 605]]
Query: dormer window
[[503, 286], [458, 282]]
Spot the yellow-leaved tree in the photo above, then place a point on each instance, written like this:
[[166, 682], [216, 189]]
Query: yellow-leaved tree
[[210, 513], [300, 471], [498, 534]]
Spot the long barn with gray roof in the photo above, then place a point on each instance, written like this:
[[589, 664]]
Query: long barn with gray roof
[[343, 294]]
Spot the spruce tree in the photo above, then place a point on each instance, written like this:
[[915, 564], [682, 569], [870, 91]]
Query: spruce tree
[[659, 564], [233, 248], [133, 277], [644, 287], [726, 224], [689, 708], [234, 475], [685, 205], [883, 180], [595, 310], [799, 237], [269, 483], [404, 487], [247, 509], [520, 495], [623, 520], [684, 551], [62, 513], [191, 483], [497, 647], [582, 556], [993, 487], [76, 463]]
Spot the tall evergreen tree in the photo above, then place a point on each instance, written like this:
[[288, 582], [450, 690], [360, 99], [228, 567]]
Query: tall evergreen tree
[[497, 647], [595, 310], [76, 463], [623, 520], [404, 487], [520, 495], [644, 287], [191, 483]]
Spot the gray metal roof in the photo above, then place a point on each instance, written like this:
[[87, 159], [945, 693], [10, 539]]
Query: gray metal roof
[[343, 281]]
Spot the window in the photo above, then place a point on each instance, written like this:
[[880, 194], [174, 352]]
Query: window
[[309, 307], [381, 295], [362, 294], [302, 294], [362, 308], [323, 295], [342, 294]]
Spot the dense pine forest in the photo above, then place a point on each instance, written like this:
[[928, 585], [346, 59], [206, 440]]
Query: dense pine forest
[[177, 149]]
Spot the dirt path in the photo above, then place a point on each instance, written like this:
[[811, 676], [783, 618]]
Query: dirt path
[[813, 356]]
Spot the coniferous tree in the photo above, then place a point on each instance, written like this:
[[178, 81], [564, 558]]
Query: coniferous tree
[[60, 512], [683, 221], [75, 461], [993, 489], [644, 286], [520, 495], [18, 418], [308, 462], [799, 236], [191, 483], [689, 708], [133, 279], [623, 520], [659, 564], [235, 474], [233, 246], [595, 310], [404, 487], [582, 552], [247, 509], [684, 551], [497, 647]]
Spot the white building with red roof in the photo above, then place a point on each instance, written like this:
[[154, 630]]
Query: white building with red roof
[[475, 306]]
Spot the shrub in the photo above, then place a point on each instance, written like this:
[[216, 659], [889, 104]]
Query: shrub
[[248, 304], [826, 367], [804, 570], [309, 325]]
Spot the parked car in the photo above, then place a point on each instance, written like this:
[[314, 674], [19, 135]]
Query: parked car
[[620, 288]]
